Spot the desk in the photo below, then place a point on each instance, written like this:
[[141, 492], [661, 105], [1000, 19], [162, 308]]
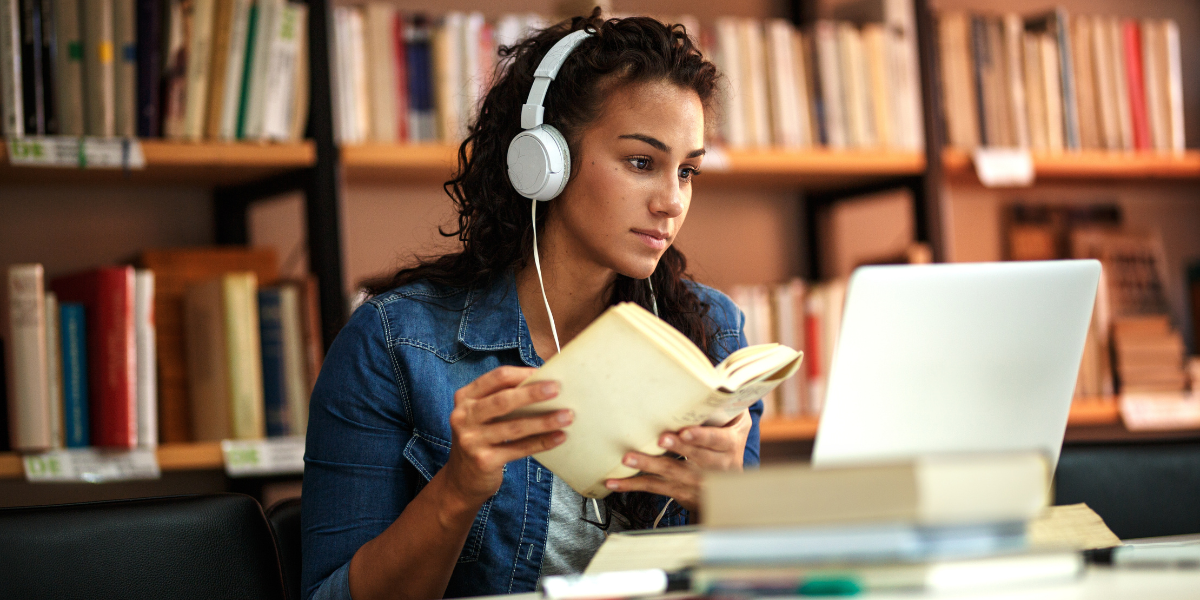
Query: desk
[[1099, 583]]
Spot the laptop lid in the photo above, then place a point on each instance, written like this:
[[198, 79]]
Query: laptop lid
[[950, 358]]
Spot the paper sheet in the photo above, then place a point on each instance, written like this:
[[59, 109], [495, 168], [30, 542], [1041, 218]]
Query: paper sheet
[[1073, 526], [666, 550]]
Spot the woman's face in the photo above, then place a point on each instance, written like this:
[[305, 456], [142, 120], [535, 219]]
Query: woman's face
[[632, 184]]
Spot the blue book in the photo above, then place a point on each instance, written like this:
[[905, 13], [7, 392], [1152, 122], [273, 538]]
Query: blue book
[[75, 375], [270, 327]]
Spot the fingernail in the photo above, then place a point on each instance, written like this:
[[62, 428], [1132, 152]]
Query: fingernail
[[558, 437], [565, 417], [667, 442], [610, 484], [687, 435], [631, 461], [550, 388]]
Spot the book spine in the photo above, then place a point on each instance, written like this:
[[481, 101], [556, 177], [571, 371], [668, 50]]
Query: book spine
[[298, 108], [270, 323], [380, 22], [1066, 70], [28, 402], [252, 43], [100, 115], [124, 68], [400, 78], [269, 13], [281, 72], [75, 373], [244, 356], [1175, 87], [31, 67], [12, 114], [174, 86], [147, 358], [54, 378], [422, 120], [207, 362], [295, 372], [199, 60], [49, 70], [1134, 80], [235, 63], [149, 67], [117, 345], [222, 35]]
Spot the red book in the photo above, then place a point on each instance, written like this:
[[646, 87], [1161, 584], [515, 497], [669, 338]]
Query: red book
[[1137, 89], [401, 49], [107, 298]]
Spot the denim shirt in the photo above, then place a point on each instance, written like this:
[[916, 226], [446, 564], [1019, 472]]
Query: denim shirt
[[379, 429]]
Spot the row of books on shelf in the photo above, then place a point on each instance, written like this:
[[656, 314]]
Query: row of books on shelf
[[1053, 82], [180, 69], [187, 347], [409, 78]]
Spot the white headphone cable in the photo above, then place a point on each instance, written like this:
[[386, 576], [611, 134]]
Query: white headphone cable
[[538, 264]]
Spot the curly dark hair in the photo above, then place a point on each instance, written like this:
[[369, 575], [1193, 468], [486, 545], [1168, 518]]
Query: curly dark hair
[[493, 219]]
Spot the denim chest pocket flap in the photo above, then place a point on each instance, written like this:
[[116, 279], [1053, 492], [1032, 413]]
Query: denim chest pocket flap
[[428, 454]]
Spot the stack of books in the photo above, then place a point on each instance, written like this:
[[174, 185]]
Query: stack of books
[[1052, 82], [180, 69], [186, 347], [1149, 354]]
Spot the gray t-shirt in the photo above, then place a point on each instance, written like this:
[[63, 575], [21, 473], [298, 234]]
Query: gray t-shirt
[[572, 541]]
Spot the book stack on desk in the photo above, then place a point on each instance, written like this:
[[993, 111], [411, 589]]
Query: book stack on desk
[[936, 524]]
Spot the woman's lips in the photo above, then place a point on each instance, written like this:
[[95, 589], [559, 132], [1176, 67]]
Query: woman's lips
[[654, 239]]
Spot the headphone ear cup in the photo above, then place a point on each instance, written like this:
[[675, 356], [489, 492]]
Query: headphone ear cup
[[565, 152]]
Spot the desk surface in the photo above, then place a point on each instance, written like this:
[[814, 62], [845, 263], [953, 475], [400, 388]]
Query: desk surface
[[1099, 583]]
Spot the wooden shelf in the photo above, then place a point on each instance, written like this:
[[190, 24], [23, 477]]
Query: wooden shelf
[[1093, 164], [179, 163], [198, 456], [383, 163]]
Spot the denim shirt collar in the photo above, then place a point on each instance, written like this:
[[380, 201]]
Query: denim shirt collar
[[492, 320]]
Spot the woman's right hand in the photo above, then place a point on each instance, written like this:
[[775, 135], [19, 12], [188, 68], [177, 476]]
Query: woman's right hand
[[483, 444]]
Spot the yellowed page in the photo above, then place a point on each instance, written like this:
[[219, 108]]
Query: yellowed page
[[1072, 526], [669, 550]]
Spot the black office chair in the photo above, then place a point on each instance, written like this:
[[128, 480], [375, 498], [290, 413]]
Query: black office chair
[[205, 547], [284, 517]]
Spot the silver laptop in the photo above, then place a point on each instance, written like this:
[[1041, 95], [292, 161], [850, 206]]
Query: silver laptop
[[949, 358]]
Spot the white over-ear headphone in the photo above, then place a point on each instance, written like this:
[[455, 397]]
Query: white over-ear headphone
[[539, 162]]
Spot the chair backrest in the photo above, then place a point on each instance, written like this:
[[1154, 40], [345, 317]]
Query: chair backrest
[[204, 547], [285, 522]]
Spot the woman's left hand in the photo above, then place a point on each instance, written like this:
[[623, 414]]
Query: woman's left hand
[[704, 448]]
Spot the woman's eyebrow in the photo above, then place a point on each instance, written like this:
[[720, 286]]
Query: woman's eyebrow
[[658, 145]]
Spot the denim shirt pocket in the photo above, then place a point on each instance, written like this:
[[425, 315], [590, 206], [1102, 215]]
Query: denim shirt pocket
[[428, 454]]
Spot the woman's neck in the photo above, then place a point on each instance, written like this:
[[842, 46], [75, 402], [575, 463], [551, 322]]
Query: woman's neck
[[578, 291]]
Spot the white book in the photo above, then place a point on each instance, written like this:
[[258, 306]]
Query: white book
[[1174, 69], [509, 29], [235, 65], [28, 398], [12, 114], [859, 127], [1035, 93], [1055, 126], [356, 30], [268, 13], [474, 75], [882, 86], [830, 71], [381, 63], [448, 76], [1116, 46], [296, 389], [1153, 73], [754, 69], [901, 20], [281, 72], [728, 59], [785, 127], [68, 69], [124, 68], [54, 376], [1106, 88], [339, 76], [147, 358], [802, 79], [1014, 29], [198, 66]]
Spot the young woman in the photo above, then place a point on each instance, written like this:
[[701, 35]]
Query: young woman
[[413, 486]]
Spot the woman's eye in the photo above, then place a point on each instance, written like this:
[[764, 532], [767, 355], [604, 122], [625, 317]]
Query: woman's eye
[[640, 164], [687, 173]]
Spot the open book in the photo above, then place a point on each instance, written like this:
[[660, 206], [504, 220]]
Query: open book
[[629, 377]]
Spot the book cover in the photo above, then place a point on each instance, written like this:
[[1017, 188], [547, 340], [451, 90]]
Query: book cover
[[98, 73], [12, 114], [73, 329], [28, 400], [124, 68], [274, 373], [107, 295], [68, 68], [149, 67], [31, 67], [625, 356], [147, 360], [175, 269]]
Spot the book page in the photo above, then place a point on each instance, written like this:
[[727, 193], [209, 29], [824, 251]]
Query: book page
[[669, 550], [1073, 526]]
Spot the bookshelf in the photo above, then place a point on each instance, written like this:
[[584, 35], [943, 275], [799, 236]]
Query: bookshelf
[[1093, 164], [171, 457]]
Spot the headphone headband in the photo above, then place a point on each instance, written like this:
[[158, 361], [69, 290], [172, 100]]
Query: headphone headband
[[547, 70]]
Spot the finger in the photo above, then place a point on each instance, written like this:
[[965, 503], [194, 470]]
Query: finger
[[495, 380], [702, 457], [647, 483], [516, 429], [667, 468], [531, 445], [506, 401], [716, 439]]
